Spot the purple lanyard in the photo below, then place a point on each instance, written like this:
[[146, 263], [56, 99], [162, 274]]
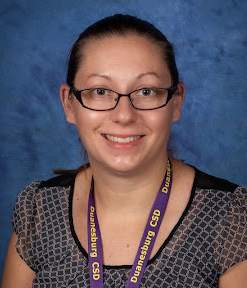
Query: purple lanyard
[[147, 242]]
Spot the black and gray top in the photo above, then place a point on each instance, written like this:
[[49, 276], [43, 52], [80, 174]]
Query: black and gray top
[[210, 237]]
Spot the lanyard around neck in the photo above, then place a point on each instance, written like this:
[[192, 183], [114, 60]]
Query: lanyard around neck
[[95, 257]]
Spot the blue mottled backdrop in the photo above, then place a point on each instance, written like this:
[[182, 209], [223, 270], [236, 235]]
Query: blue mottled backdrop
[[36, 36]]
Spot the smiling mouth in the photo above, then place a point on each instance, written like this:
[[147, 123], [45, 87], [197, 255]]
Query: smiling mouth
[[122, 140]]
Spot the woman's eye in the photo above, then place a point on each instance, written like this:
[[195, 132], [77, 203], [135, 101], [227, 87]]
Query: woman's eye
[[146, 92], [100, 91]]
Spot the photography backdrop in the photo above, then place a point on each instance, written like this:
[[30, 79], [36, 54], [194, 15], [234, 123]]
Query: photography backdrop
[[210, 40]]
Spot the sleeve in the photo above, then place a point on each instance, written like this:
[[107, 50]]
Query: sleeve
[[23, 222], [234, 244]]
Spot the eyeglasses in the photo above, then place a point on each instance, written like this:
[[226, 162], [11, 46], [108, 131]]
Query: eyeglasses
[[101, 99]]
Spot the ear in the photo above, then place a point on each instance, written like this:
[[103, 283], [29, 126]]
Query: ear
[[66, 99], [178, 101]]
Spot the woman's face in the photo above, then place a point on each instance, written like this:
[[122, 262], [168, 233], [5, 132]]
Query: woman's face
[[123, 139]]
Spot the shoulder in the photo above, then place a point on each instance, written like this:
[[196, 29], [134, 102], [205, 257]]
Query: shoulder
[[35, 189], [35, 195], [236, 194], [227, 194], [227, 202], [206, 181], [39, 209], [58, 181]]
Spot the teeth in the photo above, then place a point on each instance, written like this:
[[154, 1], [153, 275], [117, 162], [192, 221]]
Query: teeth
[[122, 140]]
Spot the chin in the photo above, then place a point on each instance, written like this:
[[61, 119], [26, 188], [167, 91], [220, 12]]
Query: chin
[[133, 166], [120, 166]]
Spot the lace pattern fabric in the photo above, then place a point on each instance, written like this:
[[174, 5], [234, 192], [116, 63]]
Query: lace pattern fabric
[[210, 237]]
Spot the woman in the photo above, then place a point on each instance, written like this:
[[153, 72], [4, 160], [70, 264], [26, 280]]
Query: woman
[[123, 94]]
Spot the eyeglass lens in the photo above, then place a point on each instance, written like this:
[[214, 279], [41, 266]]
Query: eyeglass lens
[[103, 99]]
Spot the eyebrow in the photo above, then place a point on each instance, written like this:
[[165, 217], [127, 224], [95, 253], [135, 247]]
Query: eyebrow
[[99, 75], [148, 73], [138, 77]]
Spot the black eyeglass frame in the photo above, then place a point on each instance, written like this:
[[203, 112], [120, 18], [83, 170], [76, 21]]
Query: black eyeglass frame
[[77, 94]]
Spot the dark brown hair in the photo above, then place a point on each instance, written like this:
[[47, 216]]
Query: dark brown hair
[[121, 25]]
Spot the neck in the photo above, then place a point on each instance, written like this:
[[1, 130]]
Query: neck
[[127, 193]]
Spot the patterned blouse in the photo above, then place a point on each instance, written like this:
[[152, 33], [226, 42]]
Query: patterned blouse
[[210, 237]]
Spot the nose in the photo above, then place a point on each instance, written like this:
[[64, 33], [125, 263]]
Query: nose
[[124, 112]]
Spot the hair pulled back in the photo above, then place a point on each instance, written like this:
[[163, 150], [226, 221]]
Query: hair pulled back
[[121, 25]]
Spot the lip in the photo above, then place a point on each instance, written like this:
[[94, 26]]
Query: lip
[[122, 138], [129, 140]]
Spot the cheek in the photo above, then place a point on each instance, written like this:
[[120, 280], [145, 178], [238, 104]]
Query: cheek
[[160, 121], [87, 123], [85, 118]]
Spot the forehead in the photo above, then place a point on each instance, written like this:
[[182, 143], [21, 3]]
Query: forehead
[[123, 55]]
